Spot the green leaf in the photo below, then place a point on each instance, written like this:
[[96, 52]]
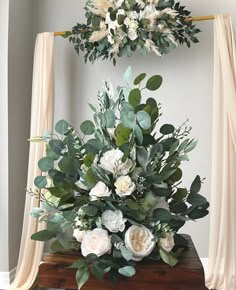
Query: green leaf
[[196, 199], [45, 164], [132, 204], [196, 185], [191, 146], [154, 83], [139, 79], [159, 191], [62, 127], [56, 246], [90, 210], [142, 157], [128, 75], [168, 258], [87, 128], [144, 120], [36, 212], [151, 102], [79, 264], [51, 154], [128, 119], [110, 119], [42, 236], [138, 134], [127, 271], [97, 271], [198, 213], [40, 182], [122, 135], [57, 146], [167, 129], [135, 97], [180, 194], [68, 165], [82, 276], [126, 254], [183, 145], [163, 215]]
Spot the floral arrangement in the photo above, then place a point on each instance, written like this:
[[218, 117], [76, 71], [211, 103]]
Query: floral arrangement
[[113, 191], [120, 27]]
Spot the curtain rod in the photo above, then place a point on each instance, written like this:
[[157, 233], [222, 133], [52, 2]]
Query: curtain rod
[[197, 18]]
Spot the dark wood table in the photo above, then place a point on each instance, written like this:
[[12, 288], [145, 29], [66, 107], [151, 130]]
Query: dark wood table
[[188, 274]]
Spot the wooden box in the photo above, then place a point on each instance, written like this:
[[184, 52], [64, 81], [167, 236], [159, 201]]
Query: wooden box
[[188, 274]]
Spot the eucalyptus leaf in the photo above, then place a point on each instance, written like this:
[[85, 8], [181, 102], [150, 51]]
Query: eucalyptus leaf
[[135, 97], [168, 258], [110, 119], [138, 134], [196, 185], [144, 120], [127, 271], [40, 182], [87, 127], [62, 127], [42, 236], [154, 83], [45, 164], [128, 75], [139, 78]]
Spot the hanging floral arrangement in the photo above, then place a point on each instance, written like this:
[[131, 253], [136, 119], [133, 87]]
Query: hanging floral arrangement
[[114, 191], [119, 27]]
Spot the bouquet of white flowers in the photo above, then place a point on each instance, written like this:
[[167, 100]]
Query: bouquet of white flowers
[[117, 28], [117, 196]]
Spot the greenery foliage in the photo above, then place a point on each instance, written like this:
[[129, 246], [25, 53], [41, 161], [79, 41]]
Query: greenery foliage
[[117, 28], [154, 201]]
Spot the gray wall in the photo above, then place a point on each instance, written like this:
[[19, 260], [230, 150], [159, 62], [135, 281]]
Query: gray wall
[[4, 12], [186, 92], [16, 29], [19, 82]]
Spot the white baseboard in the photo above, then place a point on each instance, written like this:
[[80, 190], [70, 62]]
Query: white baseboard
[[6, 278]]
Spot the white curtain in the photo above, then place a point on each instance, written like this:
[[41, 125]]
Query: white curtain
[[222, 253], [41, 120]]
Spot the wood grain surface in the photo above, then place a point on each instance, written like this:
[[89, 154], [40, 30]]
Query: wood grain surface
[[188, 274]]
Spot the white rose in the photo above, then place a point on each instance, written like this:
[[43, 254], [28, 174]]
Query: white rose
[[140, 241], [99, 190], [132, 34], [79, 235], [113, 221], [96, 242], [124, 186], [167, 243], [111, 161]]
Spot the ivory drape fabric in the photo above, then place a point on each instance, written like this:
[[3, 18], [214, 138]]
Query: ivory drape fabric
[[222, 253], [41, 120]]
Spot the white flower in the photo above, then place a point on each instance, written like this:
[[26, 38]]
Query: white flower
[[110, 39], [96, 242], [99, 190], [150, 45], [155, 2], [173, 13], [151, 13], [140, 3], [79, 234], [124, 186], [100, 7], [140, 241], [168, 242], [118, 3], [111, 161], [132, 34], [99, 34], [113, 221]]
